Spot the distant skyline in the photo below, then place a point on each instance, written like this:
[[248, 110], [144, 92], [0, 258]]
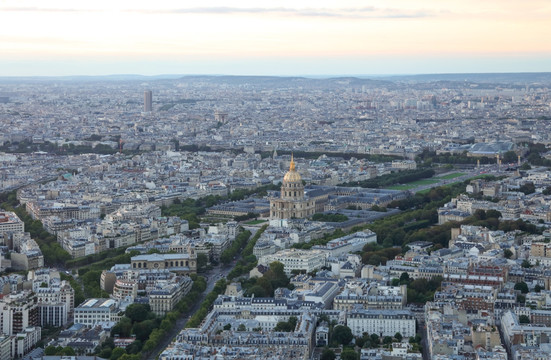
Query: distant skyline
[[60, 37]]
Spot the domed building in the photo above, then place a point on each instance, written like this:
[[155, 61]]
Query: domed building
[[292, 203]]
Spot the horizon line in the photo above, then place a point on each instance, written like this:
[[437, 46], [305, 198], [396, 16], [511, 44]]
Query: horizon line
[[327, 76]]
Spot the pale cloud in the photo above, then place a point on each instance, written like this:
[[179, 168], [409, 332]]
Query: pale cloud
[[366, 12], [284, 29], [358, 13]]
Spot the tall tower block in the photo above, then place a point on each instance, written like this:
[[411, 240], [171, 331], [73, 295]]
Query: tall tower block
[[147, 101]]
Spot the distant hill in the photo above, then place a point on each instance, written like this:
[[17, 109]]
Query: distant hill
[[389, 81], [543, 77]]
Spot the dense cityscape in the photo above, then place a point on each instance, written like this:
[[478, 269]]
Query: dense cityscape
[[257, 217]]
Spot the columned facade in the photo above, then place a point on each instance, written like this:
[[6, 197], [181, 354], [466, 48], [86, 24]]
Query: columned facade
[[292, 203]]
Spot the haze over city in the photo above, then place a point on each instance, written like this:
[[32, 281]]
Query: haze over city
[[273, 37]]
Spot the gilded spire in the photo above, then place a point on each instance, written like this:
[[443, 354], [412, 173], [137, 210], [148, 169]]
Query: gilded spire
[[292, 175]]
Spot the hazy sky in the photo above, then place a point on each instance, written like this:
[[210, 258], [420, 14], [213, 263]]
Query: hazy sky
[[58, 37]]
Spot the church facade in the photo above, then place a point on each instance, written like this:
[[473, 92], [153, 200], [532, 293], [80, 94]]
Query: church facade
[[292, 203]]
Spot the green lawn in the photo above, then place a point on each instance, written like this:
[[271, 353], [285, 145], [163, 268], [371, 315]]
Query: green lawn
[[414, 184], [449, 176]]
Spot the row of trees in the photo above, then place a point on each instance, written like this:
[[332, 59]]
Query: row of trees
[[148, 328], [239, 243], [200, 314], [265, 285], [329, 217], [533, 156], [110, 258], [220, 286], [374, 341], [287, 326], [343, 336], [347, 156], [247, 216], [419, 291], [53, 253], [248, 261], [401, 177], [375, 254], [99, 259], [138, 320], [28, 147], [428, 157], [191, 209], [325, 239], [79, 290]]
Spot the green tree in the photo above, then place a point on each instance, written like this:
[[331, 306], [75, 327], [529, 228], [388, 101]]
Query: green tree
[[360, 341], [526, 264], [257, 291], [284, 326], [398, 336], [68, 351], [328, 354], [137, 312], [507, 253], [50, 350], [342, 334], [349, 354], [522, 286], [117, 353], [493, 214], [375, 340], [105, 353], [480, 214], [387, 340], [143, 329], [510, 157], [528, 188], [276, 275], [202, 261], [524, 319], [122, 328], [135, 347], [266, 284], [293, 322], [241, 327], [131, 357]]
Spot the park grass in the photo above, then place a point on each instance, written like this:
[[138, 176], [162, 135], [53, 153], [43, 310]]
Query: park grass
[[449, 176], [414, 184]]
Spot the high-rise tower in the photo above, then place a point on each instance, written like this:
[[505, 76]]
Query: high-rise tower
[[147, 101]]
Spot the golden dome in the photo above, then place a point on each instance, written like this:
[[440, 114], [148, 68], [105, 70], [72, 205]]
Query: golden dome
[[292, 175]]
